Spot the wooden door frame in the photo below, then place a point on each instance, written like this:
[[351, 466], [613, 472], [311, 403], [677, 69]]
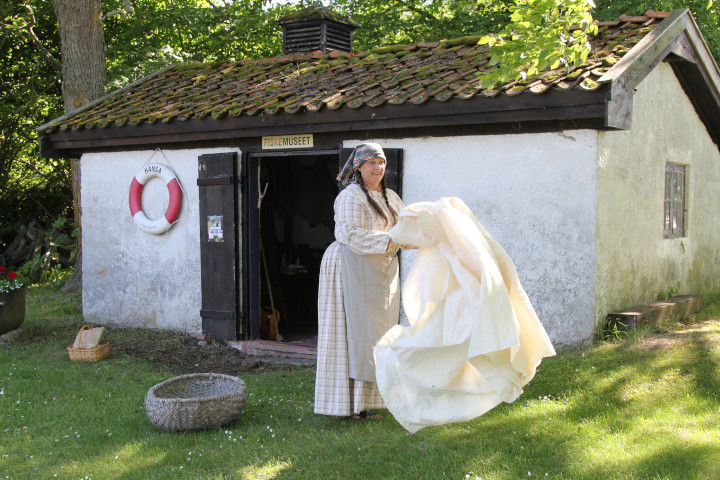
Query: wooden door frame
[[251, 268]]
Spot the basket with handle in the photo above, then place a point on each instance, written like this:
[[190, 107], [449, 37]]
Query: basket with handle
[[78, 351]]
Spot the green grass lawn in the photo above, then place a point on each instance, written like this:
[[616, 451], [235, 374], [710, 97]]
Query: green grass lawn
[[642, 407]]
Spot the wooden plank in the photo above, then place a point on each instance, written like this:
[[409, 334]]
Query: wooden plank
[[654, 313], [218, 313], [251, 229], [252, 144], [347, 117], [565, 114], [637, 64], [705, 56], [294, 153], [218, 249], [705, 100], [634, 63], [245, 320], [220, 180]]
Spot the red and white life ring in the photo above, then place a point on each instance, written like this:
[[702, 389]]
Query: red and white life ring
[[162, 224]]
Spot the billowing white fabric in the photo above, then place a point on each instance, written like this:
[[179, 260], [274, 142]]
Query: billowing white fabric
[[474, 339]]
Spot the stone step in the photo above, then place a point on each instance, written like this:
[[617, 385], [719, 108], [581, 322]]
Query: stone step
[[654, 313], [277, 351]]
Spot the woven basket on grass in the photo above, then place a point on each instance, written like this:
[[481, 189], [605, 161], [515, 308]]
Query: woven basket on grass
[[93, 354], [195, 402]]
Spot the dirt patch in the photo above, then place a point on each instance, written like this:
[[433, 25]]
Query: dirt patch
[[658, 341], [701, 331], [184, 353]]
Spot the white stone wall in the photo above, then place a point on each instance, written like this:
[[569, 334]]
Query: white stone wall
[[635, 262], [535, 193], [130, 277], [580, 213]]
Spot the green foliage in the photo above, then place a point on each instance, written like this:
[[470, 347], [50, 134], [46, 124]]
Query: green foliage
[[30, 187], [706, 13], [159, 32], [616, 330], [669, 293], [28, 78], [47, 266], [143, 36], [539, 38], [409, 21]]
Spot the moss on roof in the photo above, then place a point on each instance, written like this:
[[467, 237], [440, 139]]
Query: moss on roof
[[312, 81]]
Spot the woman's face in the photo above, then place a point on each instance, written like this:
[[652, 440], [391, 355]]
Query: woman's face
[[372, 172]]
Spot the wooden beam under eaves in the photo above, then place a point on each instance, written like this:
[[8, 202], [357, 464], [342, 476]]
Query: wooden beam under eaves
[[678, 34]]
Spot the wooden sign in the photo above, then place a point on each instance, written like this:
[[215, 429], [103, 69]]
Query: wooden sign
[[282, 142]]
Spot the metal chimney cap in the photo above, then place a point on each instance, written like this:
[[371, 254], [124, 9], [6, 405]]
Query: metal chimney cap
[[316, 12]]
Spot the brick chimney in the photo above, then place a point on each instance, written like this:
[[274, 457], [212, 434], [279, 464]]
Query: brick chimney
[[317, 28]]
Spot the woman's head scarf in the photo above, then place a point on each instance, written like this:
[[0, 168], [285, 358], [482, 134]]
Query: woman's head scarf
[[361, 154]]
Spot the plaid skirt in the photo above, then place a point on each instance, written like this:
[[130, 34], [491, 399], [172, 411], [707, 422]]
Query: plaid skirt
[[335, 392]]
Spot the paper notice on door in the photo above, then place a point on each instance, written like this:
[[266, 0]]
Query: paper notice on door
[[215, 228]]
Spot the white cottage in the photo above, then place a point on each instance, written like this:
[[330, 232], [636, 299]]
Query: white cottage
[[602, 184]]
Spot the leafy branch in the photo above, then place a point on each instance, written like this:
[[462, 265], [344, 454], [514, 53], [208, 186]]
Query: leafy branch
[[542, 35]]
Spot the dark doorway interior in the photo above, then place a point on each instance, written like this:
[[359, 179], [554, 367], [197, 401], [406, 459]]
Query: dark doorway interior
[[296, 226]]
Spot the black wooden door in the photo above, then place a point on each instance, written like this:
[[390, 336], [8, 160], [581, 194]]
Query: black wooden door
[[393, 169], [218, 246]]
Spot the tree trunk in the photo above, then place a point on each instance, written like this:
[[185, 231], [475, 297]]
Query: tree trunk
[[83, 51], [74, 283], [83, 80]]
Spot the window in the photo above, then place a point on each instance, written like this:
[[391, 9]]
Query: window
[[674, 200]]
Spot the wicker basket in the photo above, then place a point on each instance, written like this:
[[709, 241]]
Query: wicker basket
[[195, 402], [93, 354]]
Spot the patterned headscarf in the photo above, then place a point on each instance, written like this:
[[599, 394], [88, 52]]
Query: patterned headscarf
[[361, 154]]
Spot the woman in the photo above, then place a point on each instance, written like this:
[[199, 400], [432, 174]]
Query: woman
[[358, 294]]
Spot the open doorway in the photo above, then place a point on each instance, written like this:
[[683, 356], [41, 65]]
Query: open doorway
[[296, 226]]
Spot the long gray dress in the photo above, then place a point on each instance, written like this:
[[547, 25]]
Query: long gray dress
[[359, 228]]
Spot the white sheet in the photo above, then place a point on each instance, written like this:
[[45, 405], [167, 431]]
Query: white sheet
[[474, 339]]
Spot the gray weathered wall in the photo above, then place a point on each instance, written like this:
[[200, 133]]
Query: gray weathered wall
[[634, 262]]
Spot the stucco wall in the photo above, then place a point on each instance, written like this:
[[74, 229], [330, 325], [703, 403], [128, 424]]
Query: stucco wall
[[130, 277], [635, 262], [535, 195]]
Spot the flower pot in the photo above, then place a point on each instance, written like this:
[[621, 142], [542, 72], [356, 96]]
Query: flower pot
[[12, 310]]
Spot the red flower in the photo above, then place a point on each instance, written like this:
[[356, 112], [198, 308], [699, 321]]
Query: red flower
[[2, 269], [12, 275]]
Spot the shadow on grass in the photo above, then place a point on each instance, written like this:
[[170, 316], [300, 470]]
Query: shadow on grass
[[628, 409]]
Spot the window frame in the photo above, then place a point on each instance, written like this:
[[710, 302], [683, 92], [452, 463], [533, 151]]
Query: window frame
[[674, 226]]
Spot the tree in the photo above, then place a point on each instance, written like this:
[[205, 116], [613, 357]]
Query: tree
[[83, 51], [386, 22], [82, 46], [706, 13], [29, 96], [142, 36], [159, 32], [542, 35]]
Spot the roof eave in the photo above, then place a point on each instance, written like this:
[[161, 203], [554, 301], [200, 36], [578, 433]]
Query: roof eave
[[47, 126], [676, 38], [553, 106]]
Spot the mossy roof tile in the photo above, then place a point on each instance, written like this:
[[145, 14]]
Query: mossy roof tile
[[395, 74]]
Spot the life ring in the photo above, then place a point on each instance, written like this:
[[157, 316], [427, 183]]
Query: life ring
[[162, 224]]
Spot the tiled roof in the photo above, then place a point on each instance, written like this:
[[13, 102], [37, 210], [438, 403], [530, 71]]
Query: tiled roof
[[396, 74]]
